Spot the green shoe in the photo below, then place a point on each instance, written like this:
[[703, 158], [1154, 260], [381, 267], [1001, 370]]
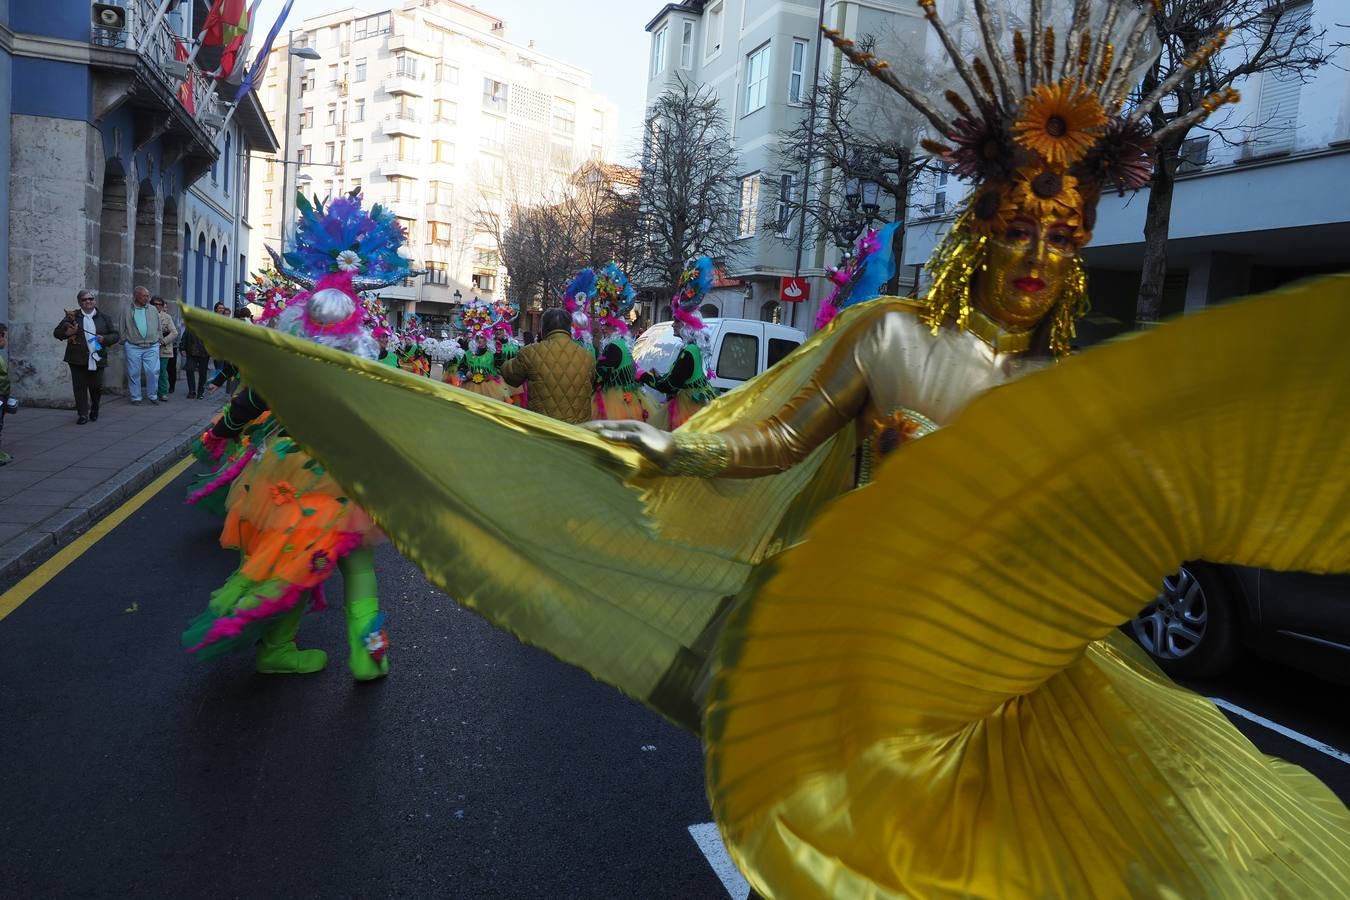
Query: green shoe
[[368, 640], [277, 653]]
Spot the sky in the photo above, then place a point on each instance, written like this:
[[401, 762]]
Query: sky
[[604, 36]]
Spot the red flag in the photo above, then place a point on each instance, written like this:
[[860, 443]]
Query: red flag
[[180, 53], [227, 20], [233, 56]]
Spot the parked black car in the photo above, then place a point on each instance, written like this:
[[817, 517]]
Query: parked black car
[[1207, 615]]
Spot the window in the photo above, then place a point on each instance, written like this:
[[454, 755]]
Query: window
[[659, 50], [447, 111], [713, 36], [358, 149], [561, 156], [738, 360], [267, 199], [447, 73], [493, 136], [372, 26], [405, 65], [442, 193], [494, 96], [408, 226], [491, 171], [709, 311], [485, 257], [332, 74], [437, 273], [484, 282], [403, 190], [564, 116], [1194, 155], [787, 193], [687, 45], [940, 197], [307, 117], [330, 153], [757, 79], [359, 113], [771, 312], [229, 162], [445, 151], [797, 79], [332, 115], [306, 154], [749, 214], [779, 347], [360, 70], [405, 149]]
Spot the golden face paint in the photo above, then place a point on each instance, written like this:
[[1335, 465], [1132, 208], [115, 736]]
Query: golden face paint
[[1025, 272]]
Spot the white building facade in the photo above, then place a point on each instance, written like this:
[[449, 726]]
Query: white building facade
[[760, 59], [429, 109]]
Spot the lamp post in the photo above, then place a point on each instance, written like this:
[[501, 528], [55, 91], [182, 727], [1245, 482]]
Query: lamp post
[[287, 188], [861, 197]]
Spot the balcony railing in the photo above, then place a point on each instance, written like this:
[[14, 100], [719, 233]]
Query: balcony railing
[[403, 123], [400, 167], [404, 83], [160, 48]]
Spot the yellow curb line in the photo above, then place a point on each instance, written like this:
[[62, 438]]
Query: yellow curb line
[[34, 581]]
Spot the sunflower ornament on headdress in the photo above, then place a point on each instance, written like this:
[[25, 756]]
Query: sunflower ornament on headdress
[[478, 319], [1041, 128]]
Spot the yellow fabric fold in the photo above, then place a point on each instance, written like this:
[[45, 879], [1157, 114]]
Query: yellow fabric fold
[[929, 697]]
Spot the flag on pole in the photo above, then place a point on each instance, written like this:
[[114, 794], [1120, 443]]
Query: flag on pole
[[185, 96], [225, 21], [260, 61], [234, 58]]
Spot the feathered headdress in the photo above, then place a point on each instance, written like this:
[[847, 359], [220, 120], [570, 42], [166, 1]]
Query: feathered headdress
[[860, 279], [576, 300], [613, 299], [506, 313], [695, 282], [345, 238], [478, 318], [1041, 126]]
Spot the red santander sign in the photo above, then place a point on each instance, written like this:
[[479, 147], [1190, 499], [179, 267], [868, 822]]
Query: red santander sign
[[794, 290]]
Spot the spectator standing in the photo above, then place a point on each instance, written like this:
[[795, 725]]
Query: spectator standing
[[560, 372], [141, 333], [5, 458], [197, 360], [168, 336], [88, 334]]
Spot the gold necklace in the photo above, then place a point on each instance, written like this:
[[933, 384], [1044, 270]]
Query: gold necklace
[[994, 334]]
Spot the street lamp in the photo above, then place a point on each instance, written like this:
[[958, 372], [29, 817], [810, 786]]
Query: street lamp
[[287, 188], [459, 297], [862, 192]]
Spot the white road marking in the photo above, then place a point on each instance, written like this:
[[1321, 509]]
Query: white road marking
[[710, 842], [1276, 727]]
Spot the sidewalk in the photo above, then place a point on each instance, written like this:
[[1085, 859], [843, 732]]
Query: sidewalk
[[65, 477]]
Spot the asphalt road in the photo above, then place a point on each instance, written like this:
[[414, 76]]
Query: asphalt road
[[479, 768]]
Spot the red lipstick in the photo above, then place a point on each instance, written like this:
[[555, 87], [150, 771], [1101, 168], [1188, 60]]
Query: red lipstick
[[1029, 285]]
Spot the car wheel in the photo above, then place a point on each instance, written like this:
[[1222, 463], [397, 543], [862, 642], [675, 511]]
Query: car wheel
[[1189, 629]]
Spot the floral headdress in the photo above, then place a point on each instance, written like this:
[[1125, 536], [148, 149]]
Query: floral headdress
[[695, 282], [478, 319], [1041, 125], [576, 300], [506, 313], [272, 290], [612, 300]]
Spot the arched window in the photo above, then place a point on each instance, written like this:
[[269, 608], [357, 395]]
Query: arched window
[[199, 275], [709, 310], [211, 274], [224, 265], [771, 311], [229, 164]]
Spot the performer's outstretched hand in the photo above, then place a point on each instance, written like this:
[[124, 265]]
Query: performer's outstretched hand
[[656, 445]]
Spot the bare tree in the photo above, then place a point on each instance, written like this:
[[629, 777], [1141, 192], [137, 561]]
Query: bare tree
[[689, 194], [1274, 39], [852, 128]]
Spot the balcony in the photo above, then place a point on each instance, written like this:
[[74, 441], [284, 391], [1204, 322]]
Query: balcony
[[440, 212], [403, 209], [141, 68], [398, 167], [404, 123], [413, 44], [405, 83]]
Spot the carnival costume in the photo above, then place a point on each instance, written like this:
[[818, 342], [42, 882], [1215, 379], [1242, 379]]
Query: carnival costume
[[478, 368], [618, 393], [291, 522], [929, 696], [687, 384], [508, 345]]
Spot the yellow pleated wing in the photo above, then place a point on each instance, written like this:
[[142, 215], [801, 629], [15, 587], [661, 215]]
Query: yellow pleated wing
[[930, 699], [540, 526]]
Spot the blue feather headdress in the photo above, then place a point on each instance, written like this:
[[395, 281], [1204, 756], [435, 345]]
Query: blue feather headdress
[[614, 296], [345, 238], [695, 282]]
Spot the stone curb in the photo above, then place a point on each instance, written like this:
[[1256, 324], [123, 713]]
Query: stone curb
[[44, 539]]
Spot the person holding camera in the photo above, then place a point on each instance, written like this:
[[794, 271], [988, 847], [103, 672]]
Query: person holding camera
[[88, 334]]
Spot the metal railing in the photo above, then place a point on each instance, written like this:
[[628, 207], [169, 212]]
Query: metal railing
[[158, 47]]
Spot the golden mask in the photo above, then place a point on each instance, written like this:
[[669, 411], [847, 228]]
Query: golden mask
[[1025, 271]]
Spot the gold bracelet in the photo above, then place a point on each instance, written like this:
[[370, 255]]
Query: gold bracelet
[[699, 455]]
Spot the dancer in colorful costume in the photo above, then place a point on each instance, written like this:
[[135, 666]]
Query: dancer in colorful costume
[[618, 393], [576, 300], [507, 346], [931, 697], [862, 275], [687, 386], [291, 522], [478, 368]]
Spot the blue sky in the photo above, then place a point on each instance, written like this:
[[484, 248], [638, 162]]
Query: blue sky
[[604, 36]]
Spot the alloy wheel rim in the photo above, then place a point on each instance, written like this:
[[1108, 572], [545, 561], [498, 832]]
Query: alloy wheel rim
[[1173, 625]]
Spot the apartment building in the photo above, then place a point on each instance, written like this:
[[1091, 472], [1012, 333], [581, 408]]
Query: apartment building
[[431, 110], [760, 59], [105, 128], [1255, 207]]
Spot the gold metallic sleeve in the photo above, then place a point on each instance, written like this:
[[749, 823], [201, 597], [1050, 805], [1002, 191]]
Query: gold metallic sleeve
[[833, 397]]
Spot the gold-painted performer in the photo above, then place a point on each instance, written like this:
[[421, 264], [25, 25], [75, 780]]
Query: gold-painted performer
[[930, 698]]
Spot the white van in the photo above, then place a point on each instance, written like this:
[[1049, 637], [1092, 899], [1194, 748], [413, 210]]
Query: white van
[[741, 348]]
